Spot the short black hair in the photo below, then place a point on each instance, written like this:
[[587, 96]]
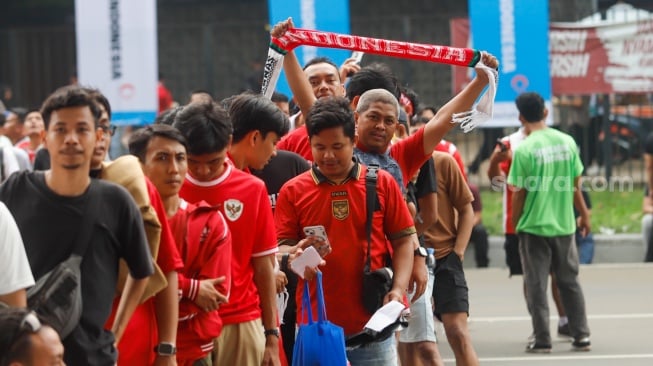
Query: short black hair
[[67, 97], [279, 97], [139, 140], [15, 343], [328, 113], [168, 116], [100, 99], [254, 112], [321, 60], [531, 106], [206, 127], [373, 76]]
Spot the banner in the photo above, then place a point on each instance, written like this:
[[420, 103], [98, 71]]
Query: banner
[[516, 32], [605, 58], [326, 15], [117, 53]]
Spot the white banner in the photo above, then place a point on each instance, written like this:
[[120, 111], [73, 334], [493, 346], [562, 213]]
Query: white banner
[[117, 53]]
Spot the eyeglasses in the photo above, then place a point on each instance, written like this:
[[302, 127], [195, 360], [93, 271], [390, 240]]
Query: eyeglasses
[[110, 129]]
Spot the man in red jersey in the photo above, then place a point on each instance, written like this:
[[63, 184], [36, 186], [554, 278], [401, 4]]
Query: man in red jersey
[[202, 236], [332, 194], [250, 335]]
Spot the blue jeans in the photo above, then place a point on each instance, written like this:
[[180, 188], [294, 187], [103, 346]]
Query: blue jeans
[[585, 248], [375, 354]]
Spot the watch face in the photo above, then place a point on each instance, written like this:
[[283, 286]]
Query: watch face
[[421, 252], [166, 349]]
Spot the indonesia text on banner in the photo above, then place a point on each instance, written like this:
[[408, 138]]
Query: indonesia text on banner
[[117, 53], [605, 58], [325, 15], [516, 31]]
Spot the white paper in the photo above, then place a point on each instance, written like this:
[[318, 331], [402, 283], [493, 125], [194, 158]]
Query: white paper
[[385, 316], [309, 258]]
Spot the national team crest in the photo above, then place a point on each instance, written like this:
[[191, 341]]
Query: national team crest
[[340, 209], [233, 208]]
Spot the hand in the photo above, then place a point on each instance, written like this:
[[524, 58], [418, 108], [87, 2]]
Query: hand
[[309, 273], [348, 68], [208, 298], [395, 295], [281, 281], [584, 225], [281, 28], [460, 254], [165, 361], [418, 278], [322, 247], [271, 353], [490, 61]]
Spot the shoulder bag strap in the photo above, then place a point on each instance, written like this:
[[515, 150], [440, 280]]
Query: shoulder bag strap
[[370, 203], [2, 165], [88, 221]]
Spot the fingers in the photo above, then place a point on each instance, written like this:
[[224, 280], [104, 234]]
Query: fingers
[[217, 281]]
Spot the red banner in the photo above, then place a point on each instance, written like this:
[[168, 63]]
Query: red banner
[[605, 58]]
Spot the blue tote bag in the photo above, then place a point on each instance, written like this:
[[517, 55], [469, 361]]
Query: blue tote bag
[[320, 343]]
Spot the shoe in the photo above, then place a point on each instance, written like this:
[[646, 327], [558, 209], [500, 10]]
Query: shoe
[[534, 347], [531, 338], [581, 344], [563, 331]]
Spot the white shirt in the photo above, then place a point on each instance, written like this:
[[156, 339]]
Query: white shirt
[[16, 272]]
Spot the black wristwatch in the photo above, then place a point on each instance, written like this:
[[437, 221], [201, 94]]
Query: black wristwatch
[[421, 252], [272, 332], [165, 349]]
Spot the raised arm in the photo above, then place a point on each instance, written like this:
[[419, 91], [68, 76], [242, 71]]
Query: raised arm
[[440, 124], [299, 85]]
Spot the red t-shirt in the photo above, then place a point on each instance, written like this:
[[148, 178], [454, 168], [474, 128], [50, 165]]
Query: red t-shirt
[[203, 238], [168, 258], [409, 154], [512, 141], [309, 199], [243, 200], [451, 149], [297, 141]]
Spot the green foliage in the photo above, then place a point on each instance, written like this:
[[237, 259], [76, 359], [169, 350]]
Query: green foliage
[[612, 212]]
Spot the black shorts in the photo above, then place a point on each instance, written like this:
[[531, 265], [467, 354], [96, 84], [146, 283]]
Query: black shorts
[[513, 260], [450, 292]]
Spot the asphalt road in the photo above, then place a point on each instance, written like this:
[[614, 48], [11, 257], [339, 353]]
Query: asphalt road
[[619, 300]]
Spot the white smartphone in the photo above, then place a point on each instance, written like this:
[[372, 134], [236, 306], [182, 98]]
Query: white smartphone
[[316, 230], [358, 56]]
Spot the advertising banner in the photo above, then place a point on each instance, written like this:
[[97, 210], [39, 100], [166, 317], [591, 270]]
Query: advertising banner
[[516, 32], [325, 15], [117, 53]]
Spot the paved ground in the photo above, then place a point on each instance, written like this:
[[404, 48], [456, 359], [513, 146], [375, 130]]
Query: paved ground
[[620, 311]]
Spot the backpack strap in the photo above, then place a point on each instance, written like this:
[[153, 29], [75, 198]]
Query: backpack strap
[[370, 204], [84, 236]]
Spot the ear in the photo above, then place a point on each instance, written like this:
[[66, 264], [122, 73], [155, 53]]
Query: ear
[[354, 102], [43, 140], [252, 136], [545, 114]]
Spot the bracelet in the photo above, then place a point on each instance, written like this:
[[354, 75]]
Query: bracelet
[[272, 332]]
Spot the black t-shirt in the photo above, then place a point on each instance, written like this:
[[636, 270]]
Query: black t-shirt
[[426, 182], [49, 223], [281, 168], [42, 160]]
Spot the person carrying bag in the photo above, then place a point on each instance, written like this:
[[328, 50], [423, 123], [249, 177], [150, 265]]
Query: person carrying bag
[[320, 342]]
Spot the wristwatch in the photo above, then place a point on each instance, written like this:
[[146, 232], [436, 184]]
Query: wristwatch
[[273, 332], [421, 252], [165, 349]]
